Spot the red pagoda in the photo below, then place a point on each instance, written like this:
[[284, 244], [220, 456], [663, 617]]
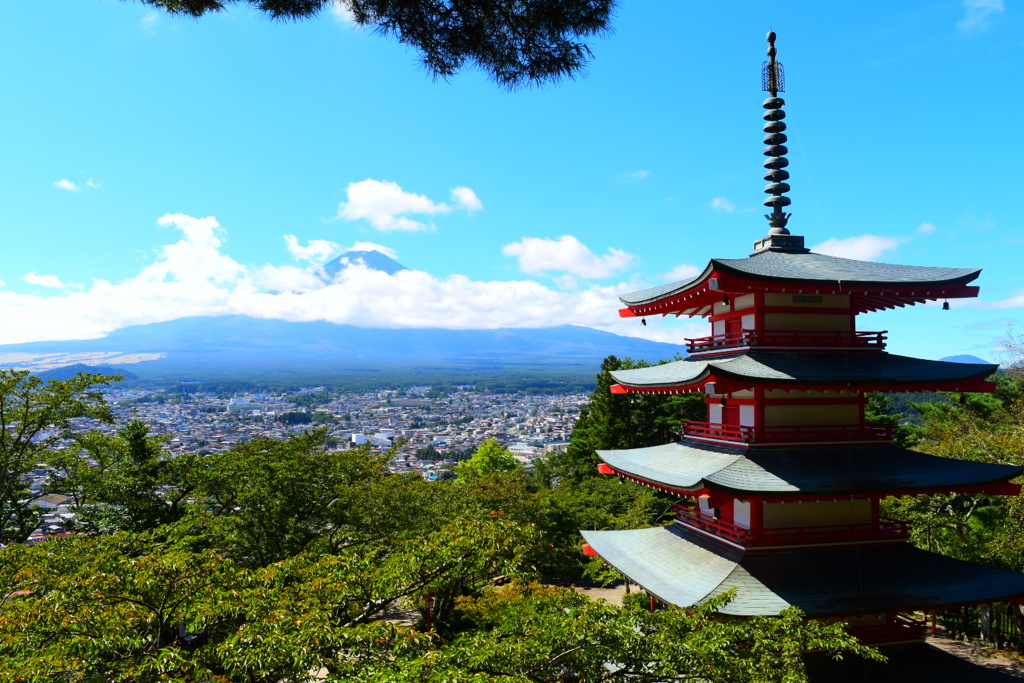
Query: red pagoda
[[783, 480]]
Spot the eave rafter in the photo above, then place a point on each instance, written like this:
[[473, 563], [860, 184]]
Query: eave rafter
[[717, 496], [727, 385], [699, 298]]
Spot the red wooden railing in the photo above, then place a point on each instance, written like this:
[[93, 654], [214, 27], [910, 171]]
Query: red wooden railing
[[884, 530], [788, 338], [786, 433], [716, 527]]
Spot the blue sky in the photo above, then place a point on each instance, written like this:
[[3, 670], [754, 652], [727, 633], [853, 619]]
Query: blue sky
[[155, 167]]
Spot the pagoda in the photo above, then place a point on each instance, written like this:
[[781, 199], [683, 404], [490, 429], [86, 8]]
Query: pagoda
[[781, 485]]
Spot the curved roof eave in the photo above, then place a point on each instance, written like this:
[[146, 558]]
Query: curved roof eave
[[812, 268], [682, 568], [817, 368], [823, 470], [652, 294], [822, 268]]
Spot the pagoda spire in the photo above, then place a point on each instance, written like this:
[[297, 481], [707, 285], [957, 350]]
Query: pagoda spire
[[773, 81]]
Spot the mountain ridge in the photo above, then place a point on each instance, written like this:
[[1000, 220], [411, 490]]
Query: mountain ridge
[[236, 345]]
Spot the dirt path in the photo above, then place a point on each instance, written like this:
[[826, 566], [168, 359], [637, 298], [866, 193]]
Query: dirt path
[[1005, 662]]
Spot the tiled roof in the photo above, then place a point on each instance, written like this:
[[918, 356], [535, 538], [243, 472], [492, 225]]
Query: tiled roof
[[683, 568], [827, 368], [793, 471], [814, 268], [825, 268]]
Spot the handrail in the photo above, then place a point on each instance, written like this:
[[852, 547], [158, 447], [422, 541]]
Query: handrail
[[787, 433], [787, 338], [883, 530]]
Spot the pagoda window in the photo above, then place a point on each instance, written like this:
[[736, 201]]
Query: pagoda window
[[742, 302], [807, 322], [817, 514], [747, 416], [806, 301], [704, 505], [820, 414], [741, 513]]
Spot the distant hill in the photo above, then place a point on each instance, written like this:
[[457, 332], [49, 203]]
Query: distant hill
[[66, 372], [239, 347]]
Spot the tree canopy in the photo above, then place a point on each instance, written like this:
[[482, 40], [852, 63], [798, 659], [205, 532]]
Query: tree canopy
[[516, 42], [281, 560], [33, 415]]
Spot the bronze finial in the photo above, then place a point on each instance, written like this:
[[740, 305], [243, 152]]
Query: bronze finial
[[773, 80]]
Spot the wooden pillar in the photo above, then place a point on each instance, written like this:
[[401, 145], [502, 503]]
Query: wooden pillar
[[756, 516]]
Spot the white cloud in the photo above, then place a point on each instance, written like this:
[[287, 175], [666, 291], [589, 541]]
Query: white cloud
[[1016, 301], [387, 207], [978, 15], [683, 271], [51, 281], [566, 255], [94, 184], [150, 18], [861, 247], [2, 283], [66, 184], [566, 282], [317, 251], [926, 228], [722, 204], [635, 176], [370, 246], [194, 277], [466, 199]]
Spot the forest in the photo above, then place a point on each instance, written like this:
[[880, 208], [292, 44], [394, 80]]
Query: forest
[[287, 560]]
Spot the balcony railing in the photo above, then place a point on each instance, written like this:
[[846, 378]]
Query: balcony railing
[[788, 339], [786, 433], [883, 530]]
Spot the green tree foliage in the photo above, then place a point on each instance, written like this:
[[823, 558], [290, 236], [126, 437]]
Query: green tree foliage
[[986, 529], [490, 458], [595, 503], [33, 416], [126, 607], [289, 555], [295, 417], [124, 482], [614, 421], [268, 500], [879, 411], [525, 632], [515, 42]]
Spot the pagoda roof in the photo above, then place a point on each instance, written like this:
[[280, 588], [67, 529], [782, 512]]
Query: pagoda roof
[[814, 269], [681, 567], [820, 470], [806, 368], [916, 662]]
